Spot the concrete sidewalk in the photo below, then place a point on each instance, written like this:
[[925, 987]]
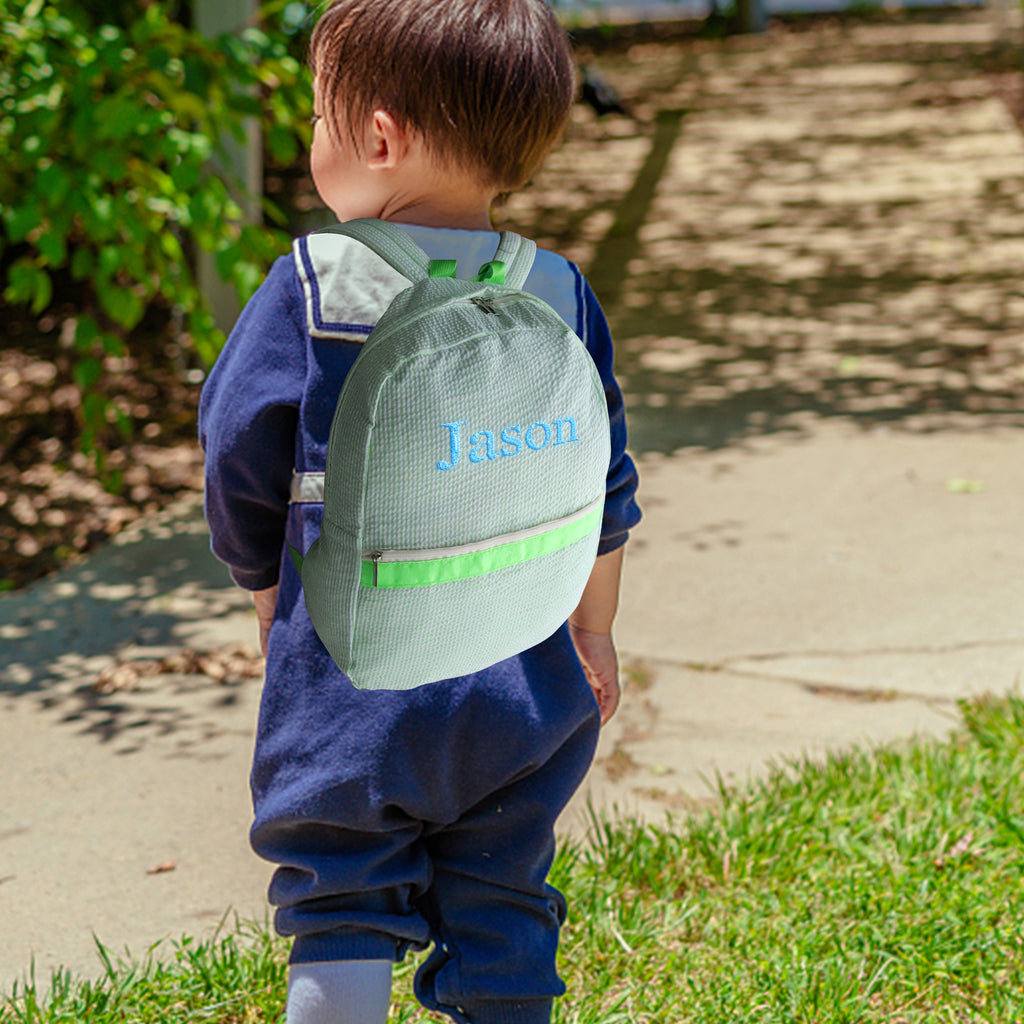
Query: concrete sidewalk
[[781, 598], [793, 596], [818, 566]]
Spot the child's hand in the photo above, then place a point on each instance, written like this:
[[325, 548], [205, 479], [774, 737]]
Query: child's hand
[[597, 653], [265, 601]]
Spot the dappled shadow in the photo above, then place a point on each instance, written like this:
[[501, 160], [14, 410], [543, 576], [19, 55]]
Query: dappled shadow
[[798, 227], [189, 712], [143, 588], [730, 368], [821, 224], [145, 594]]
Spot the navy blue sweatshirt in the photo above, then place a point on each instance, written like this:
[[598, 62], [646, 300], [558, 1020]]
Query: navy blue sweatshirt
[[266, 410]]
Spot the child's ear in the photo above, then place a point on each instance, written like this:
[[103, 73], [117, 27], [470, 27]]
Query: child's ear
[[389, 143]]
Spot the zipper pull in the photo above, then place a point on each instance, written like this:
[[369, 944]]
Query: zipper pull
[[376, 556], [483, 304]]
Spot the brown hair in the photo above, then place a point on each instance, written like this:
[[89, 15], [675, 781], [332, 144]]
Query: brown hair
[[488, 84]]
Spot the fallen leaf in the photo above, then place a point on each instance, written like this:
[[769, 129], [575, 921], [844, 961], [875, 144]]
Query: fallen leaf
[[125, 675], [958, 485], [225, 665], [212, 667]]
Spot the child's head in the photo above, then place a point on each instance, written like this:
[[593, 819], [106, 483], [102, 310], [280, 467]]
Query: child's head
[[483, 87]]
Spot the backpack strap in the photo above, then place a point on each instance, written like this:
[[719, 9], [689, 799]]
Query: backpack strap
[[517, 253], [393, 244]]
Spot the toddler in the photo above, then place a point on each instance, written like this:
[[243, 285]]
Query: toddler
[[401, 819]]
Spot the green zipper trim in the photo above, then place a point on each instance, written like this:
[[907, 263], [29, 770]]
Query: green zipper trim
[[427, 572]]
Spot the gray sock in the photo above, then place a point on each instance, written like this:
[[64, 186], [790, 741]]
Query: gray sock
[[339, 992]]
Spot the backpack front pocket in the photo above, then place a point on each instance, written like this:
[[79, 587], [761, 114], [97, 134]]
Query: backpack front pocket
[[427, 567]]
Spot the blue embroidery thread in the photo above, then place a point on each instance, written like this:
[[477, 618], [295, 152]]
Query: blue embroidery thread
[[511, 440], [529, 431], [490, 453], [482, 443], [558, 430], [456, 444]]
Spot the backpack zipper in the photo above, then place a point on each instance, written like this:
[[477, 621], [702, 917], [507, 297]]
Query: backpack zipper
[[464, 560], [488, 302]]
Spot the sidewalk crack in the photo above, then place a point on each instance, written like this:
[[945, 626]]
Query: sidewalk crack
[[741, 665]]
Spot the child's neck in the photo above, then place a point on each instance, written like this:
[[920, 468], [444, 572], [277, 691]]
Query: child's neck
[[425, 220], [469, 217]]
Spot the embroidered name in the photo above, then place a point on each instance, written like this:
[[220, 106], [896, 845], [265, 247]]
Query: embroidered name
[[485, 445]]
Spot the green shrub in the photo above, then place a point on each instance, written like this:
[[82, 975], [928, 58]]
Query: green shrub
[[106, 140]]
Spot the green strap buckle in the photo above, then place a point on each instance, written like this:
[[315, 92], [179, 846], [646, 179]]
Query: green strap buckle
[[442, 268], [491, 273]]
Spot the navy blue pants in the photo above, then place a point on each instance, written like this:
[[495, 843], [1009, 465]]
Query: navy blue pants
[[442, 832]]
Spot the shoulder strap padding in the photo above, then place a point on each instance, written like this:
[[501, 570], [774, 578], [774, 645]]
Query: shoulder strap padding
[[517, 253]]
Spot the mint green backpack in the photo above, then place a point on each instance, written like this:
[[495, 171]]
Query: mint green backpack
[[465, 476]]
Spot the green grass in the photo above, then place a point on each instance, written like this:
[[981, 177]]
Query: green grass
[[879, 885]]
